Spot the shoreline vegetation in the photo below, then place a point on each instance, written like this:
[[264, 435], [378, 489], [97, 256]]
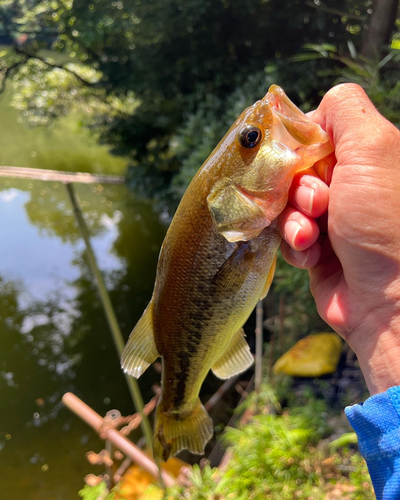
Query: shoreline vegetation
[[302, 449]]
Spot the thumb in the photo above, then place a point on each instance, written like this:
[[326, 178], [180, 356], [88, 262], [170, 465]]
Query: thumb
[[352, 121]]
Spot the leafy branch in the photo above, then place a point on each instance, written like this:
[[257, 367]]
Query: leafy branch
[[340, 13], [380, 79], [63, 66], [26, 56], [8, 72]]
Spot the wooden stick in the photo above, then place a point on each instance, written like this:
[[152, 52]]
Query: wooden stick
[[59, 176], [122, 469], [121, 442]]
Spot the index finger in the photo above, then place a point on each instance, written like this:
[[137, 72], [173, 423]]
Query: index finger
[[309, 193]]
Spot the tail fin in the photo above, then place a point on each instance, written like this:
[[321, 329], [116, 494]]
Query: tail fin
[[175, 432]]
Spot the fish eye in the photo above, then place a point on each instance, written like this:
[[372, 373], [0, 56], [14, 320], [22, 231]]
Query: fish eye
[[250, 136]]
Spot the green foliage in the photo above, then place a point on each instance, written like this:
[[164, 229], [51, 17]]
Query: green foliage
[[359, 478], [93, 492], [98, 492], [202, 129], [272, 455], [344, 440], [281, 456], [44, 94], [203, 484], [380, 79], [162, 80], [300, 315]]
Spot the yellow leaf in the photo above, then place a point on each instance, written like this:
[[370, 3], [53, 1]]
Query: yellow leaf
[[136, 481], [313, 356]]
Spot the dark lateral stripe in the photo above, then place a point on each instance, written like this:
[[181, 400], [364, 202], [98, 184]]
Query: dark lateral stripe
[[184, 363]]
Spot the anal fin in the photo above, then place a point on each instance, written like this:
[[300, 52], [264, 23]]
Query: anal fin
[[236, 358], [140, 350]]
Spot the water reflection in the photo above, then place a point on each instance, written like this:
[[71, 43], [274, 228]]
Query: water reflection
[[53, 333]]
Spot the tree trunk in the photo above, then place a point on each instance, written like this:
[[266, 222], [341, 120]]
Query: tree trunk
[[380, 28]]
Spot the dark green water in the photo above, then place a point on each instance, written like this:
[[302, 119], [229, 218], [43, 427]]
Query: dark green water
[[53, 333]]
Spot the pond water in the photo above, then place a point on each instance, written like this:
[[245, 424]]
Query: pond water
[[53, 333]]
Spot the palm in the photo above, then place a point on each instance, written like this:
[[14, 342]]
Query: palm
[[360, 258]]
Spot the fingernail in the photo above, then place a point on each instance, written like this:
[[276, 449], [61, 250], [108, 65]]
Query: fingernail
[[300, 257], [305, 198], [292, 229]]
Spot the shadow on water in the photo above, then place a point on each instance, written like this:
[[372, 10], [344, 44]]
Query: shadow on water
[[53, 332]]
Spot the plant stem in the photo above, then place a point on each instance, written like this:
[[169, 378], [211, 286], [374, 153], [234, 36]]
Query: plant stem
[[281, 324], [259, 345], [110, 314]]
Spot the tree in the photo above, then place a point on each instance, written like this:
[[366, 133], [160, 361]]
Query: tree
[[380, 29], [146, 72]]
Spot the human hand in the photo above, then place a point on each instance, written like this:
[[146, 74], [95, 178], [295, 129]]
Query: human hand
[[353, 255]]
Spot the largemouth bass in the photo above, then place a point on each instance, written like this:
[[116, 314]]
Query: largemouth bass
[[217, 260]]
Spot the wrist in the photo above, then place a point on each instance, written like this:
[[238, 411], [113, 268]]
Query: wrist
[[377, 346]]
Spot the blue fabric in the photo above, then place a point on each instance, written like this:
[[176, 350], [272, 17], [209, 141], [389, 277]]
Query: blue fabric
[[377, 425]]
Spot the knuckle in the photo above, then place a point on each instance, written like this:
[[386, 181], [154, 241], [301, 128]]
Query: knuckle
[[393, 137], [345, 91]]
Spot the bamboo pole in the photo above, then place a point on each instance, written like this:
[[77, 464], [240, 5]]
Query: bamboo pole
[[259, 346], [59, 176], [121, 442], [281, 323], [232, 423], [220, 392], [110, 314]]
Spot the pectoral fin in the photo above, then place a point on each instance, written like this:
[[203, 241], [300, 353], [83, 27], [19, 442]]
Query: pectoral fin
[[140, 350], [234, 271], [270, 277], [236, 359], [235, 215]]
